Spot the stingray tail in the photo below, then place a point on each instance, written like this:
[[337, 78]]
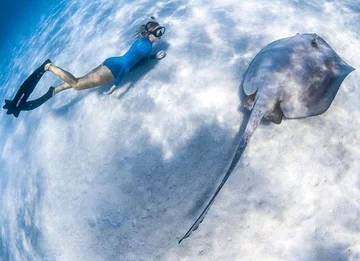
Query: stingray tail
[[256, 115]]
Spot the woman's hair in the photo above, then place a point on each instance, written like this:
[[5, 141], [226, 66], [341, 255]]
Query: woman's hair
[[144, 30]]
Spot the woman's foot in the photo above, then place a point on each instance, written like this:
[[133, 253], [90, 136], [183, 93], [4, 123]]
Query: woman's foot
[[47, 66]]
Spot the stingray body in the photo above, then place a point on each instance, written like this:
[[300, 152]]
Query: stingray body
[[294, 77]]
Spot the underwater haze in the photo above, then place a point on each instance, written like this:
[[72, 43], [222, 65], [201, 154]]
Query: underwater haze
[[124, 176]]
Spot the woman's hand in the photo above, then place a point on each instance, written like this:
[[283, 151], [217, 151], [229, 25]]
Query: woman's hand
[[160, 55]]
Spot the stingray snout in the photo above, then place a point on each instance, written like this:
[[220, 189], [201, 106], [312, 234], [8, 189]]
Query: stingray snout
[[343, 68], [350, 68]]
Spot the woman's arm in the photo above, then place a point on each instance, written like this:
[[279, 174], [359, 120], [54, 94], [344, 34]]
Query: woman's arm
[[158, 56]]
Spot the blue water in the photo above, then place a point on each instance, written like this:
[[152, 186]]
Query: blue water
[[19, 19], [122, 177]]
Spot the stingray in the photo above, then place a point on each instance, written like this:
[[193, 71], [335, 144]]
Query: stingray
[[294, 77]]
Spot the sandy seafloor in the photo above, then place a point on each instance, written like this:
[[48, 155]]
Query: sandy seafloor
[[122, 177]]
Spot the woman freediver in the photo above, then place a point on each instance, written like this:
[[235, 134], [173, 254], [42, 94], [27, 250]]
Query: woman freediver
[[112, 70]]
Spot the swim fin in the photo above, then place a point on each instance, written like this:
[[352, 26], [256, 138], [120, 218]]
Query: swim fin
[[30, 105], [28, 86], [7, 104]]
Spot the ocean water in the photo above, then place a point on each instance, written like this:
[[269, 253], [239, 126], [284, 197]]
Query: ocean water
[[19, 21], [122, 177], [15, 14]]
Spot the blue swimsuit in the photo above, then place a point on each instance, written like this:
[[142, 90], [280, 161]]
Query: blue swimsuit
[[120, 65]]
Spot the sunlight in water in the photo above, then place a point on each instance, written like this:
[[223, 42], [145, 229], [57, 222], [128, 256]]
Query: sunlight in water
[[122, 177]]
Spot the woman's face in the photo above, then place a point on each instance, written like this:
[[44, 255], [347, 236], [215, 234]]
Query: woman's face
[[152, 36]]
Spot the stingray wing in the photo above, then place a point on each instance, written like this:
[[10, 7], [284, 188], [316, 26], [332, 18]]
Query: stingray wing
[[318, 95], [261, 71]]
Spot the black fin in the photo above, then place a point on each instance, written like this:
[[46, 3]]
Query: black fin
[[11, 109], [25, 90], [7, 104], [30, 105], [16, 113]]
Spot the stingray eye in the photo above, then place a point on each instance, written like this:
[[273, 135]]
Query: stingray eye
[[314, 42]]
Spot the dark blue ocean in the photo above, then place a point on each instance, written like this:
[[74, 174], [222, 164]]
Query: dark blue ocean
[[19, 19]]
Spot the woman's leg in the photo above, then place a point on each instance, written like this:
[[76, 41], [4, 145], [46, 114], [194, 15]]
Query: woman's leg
[[62, 87], [64, 75], [96, 77]]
